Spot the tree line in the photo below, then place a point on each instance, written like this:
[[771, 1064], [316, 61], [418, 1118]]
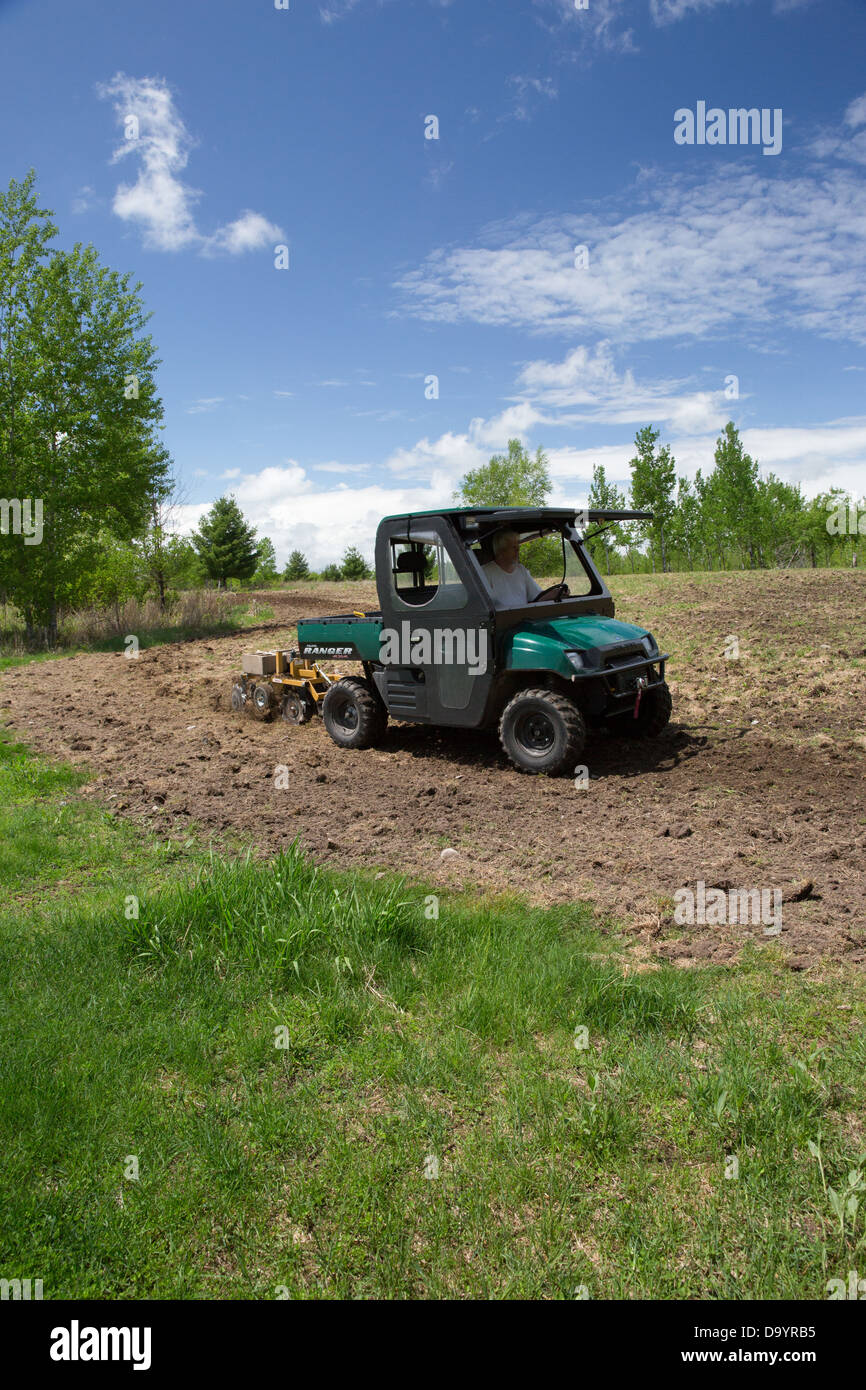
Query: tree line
[[80, 433], [730, 517]]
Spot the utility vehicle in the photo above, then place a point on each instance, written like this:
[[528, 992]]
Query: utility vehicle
[[439, 651]]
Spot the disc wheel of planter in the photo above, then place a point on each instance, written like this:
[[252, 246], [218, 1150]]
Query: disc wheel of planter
[[298, 707], [262, 702]]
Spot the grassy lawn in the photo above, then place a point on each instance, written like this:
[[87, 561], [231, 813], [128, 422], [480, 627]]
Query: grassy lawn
[[327, 1090]]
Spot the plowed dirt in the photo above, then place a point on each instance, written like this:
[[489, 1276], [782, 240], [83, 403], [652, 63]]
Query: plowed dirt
[[759, 781]]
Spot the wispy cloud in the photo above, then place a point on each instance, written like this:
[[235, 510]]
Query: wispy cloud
[[438, 173], [845, 142], [341, 467], [689, 259], [84, 200], [335, 10], [159, 201], [528, 92], [603, 23], [204, 404]]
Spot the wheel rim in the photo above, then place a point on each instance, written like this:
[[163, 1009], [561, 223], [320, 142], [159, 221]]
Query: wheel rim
[[347, 716], [534, 732], [262, 699]]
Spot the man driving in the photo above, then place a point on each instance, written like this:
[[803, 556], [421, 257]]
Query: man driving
[[510, 583]]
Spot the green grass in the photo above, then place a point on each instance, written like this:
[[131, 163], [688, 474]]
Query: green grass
[[412, 1041]]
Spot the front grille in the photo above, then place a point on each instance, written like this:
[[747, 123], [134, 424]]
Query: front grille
[[633, 651]]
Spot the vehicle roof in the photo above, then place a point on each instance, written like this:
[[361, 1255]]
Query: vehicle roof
[[491, 513]]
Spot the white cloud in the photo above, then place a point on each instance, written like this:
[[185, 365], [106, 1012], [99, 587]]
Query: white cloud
[[818, 457], [250, 232], [283, 503], [341, 467], [159, 201], [838, 142], [587, 378], [451, 455], [856, 112], [204, 404], [689, 261], [514, 422]]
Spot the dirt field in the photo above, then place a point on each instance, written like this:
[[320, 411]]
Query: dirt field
[[759, 782]]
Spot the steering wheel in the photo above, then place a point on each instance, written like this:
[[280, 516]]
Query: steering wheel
[[555, 591]]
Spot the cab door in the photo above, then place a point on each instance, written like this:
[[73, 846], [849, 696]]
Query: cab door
[[437, 641]]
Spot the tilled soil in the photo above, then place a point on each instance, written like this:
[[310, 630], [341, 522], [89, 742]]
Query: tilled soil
[[759, 782]]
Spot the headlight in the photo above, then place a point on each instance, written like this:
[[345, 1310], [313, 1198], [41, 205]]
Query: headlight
[[649, 644], [576, 659]]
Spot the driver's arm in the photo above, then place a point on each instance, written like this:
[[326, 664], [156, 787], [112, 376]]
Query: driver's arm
[[532, 589]]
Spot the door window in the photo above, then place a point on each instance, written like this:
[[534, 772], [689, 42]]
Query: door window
[[423, 574]]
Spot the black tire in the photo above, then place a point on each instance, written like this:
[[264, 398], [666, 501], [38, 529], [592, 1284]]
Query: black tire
[[239, 697], [262, 702], [655, 710], [542, 731], [354, 715]]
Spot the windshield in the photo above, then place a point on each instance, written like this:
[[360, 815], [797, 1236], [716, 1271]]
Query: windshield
[[550, 556]]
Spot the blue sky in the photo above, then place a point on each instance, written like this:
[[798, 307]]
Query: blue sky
[[302, 391]]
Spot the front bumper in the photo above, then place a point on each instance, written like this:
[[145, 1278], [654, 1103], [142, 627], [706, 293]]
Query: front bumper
[[619, 679]]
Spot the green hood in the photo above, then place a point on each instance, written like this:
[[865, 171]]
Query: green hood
[[542, 646]]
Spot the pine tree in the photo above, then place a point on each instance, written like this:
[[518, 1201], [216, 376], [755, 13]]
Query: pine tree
[[297, 567], [353, 565], [226, 543]]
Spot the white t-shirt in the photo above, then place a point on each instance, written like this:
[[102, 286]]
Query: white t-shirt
[[510, 590]]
